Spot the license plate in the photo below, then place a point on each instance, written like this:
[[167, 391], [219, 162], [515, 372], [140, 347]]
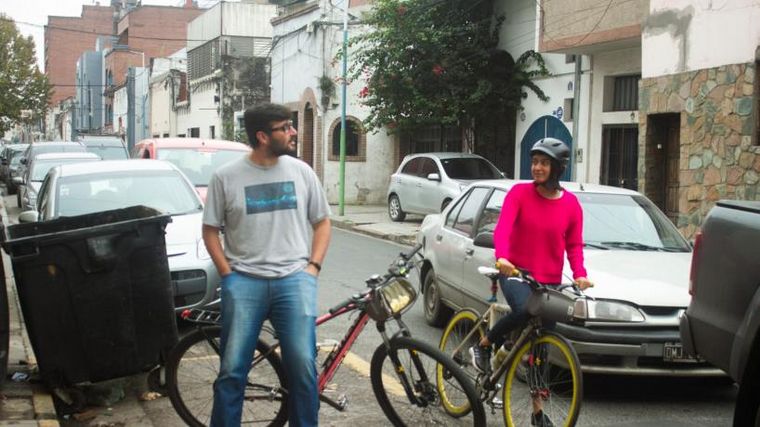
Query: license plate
[[674, 352]]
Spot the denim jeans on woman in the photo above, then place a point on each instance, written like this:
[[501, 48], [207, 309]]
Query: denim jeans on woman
[[516, 292], [290, 305]]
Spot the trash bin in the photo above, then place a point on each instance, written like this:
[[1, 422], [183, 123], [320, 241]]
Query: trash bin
[[95, 292]]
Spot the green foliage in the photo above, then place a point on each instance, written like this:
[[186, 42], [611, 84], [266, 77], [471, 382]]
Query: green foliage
[[436, 62], [22, 85], [246, 83]]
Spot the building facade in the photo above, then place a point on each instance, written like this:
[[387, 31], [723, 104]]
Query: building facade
[[305, 76], [89, 114], [698, 130]]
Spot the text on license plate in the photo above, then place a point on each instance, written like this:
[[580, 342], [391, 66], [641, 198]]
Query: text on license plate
[[674, 352]]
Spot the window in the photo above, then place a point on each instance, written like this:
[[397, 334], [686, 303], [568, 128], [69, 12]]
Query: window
[[356, 140], [454, 212], [569, 59], [211, 132], [195, 132], [625, 95], [352, 139], [428, 167], [412, 166], [470, 168], [491, 212], [466, 218]]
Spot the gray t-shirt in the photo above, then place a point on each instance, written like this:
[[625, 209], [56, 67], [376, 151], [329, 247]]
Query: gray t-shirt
[[267, 214]]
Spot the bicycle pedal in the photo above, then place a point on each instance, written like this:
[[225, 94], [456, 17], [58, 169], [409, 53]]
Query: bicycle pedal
[[342, 402], [496, 403]]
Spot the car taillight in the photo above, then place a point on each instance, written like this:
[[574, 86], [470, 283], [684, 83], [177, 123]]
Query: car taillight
[[694, 262]]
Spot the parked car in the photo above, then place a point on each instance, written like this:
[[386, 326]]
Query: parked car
[[29, 184], [635, 256], [108, 147], [47, 147], [10, 160], [722, 323], [83, 188], [426, 183], [197, 158]]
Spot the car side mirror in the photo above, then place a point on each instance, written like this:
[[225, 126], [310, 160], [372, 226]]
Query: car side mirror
[[28, 216], [23, 160], [484, 240], [434, 177]]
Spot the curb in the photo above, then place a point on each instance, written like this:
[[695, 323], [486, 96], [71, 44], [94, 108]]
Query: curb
[[41, 401], [347, 224]]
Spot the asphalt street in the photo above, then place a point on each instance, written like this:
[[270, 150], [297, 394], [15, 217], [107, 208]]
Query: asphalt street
[[618, 401]]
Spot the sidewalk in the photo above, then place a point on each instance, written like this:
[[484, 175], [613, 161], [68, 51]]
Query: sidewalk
[[24, 402], [373, 220]]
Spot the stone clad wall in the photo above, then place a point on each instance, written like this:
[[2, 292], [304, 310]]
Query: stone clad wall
[[719, 156]]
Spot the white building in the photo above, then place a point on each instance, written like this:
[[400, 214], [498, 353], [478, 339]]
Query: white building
[[306, 78], [227, 50], [168, 87], [609, 42]]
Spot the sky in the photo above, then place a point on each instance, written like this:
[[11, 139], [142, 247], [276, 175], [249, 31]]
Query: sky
[[31, 15]]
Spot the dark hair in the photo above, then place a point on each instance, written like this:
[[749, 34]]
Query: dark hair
[[260, 118], [556, 171]]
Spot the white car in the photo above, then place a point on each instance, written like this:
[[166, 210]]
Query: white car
[[637, 259], [38, 167], [425, 183], [83, 188]]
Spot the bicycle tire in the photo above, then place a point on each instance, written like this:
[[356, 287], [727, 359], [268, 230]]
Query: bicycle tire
[[554, 372], [413, 355], [192, 367], [454, 333]]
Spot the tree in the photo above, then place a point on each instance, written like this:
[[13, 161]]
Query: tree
[[23, 87], [436, 62]]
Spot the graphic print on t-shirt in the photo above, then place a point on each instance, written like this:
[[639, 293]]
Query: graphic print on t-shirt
[[275, 196]]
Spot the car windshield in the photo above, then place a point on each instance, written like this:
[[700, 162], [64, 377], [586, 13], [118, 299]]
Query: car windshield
[[621, 221], [41, 167], [198, 164], [16, 157], [470, 168], [166, 191], [108, 153]]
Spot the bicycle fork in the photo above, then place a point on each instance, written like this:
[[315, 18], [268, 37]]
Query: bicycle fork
[[417, 393]]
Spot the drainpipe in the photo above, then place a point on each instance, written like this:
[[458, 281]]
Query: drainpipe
[[576, 117]]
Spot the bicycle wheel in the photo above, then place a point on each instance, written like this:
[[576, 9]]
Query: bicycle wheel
[[192, 368], [415, 362], [455, 343], [553, 381]]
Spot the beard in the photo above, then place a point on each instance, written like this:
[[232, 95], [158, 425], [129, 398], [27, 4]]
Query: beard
[[288, 148]]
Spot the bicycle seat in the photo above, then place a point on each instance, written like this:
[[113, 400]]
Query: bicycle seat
[[489, 272]]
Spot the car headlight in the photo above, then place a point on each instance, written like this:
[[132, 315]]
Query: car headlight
[[201, 249], [612, 311]]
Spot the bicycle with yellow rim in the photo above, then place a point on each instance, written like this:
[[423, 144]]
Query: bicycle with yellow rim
[[541, 371]]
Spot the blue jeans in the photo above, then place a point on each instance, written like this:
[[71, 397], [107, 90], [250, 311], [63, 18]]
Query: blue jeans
[[516, 293], [290, 303]]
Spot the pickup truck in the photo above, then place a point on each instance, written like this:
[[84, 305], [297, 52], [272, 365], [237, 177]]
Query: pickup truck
[[722, 322]]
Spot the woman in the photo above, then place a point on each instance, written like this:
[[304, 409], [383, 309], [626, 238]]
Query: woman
[[539, 222]]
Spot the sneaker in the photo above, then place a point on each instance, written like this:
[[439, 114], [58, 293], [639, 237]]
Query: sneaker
[[540, 420], [481, 357]]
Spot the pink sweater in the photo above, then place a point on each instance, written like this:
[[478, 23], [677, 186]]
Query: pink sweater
[[534, 232]]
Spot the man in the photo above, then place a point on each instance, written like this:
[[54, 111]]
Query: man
[[269, 204]]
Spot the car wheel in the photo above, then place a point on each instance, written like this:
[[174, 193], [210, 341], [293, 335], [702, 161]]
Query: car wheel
[[436, 312], [394, 209], [444, 204]]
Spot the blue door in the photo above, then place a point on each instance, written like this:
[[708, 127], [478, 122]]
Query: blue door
[[546, 126]]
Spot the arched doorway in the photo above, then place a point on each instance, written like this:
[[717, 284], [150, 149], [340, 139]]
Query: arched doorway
[[307, 136], [545, 126]]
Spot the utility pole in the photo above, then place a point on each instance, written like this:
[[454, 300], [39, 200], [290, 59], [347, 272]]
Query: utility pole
[[576, 118], [342, 176], [131, 122]]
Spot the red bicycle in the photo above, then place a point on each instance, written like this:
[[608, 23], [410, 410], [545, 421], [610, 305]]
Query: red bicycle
[[404, 372]]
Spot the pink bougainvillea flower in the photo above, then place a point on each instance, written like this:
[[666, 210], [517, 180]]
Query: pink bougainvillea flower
[[437, 70]]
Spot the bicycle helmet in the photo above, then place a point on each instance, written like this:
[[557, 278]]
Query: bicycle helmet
[[553, 148]]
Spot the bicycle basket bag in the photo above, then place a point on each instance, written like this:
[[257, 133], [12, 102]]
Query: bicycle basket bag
[[392, 299], [552, 305]]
